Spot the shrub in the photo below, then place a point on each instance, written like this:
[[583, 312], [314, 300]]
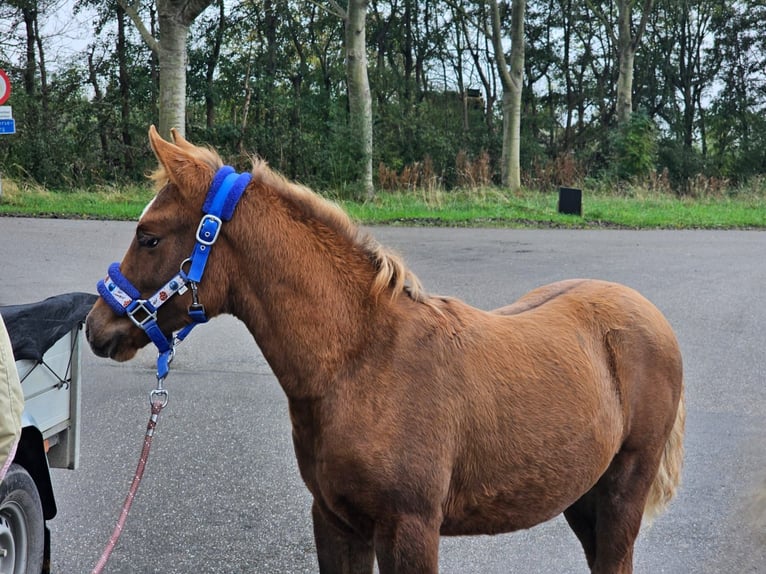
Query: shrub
[[635, 148]]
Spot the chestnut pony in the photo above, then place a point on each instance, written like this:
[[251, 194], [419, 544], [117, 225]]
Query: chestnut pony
[[414, 415]]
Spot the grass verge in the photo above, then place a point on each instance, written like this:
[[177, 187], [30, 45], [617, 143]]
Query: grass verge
[[485, 207], [103, 202], [537, 209]]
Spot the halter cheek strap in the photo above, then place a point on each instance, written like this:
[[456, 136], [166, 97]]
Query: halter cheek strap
[[124, 299]]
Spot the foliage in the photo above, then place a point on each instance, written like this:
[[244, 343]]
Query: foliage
[[268, 78], [635, 148]]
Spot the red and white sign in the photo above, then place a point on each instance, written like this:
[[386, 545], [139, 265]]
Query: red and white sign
[[5, 87]]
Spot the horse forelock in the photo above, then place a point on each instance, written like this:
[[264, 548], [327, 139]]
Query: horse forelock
[[391, 271]]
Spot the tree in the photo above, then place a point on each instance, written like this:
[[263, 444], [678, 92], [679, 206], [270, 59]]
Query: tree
[[211, 64], [626, 40], [174, 18], [35, 88], [477, 44], [512, 80], [279, 78], [358, 84], [738, 124], [693, 68]]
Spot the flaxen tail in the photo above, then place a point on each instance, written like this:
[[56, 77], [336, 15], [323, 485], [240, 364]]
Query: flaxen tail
[[669, 474]]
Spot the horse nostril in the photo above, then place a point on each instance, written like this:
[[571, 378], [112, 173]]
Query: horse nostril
[[99, 349]]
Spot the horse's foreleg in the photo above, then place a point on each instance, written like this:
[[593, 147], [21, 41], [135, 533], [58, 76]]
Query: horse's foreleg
[[340, 552], [407, 545]]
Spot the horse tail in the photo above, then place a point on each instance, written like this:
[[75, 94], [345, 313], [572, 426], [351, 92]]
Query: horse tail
[[669, 474]]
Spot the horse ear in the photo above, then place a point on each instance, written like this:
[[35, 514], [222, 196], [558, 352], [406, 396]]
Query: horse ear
[[182, 165], [180, 141]]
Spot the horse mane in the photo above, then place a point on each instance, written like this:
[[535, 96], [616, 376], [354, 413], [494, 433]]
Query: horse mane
[[391, 270]]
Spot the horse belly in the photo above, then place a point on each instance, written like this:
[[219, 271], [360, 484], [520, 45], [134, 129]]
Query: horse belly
[[507, 511], [535, 478]]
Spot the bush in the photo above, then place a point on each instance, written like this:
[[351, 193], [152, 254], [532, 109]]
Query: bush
[[681, 163], [635, 148]]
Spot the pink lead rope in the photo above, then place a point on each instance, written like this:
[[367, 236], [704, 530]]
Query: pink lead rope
[[159, 399]]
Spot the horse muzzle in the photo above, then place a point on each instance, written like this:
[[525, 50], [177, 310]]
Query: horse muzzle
[[111, 336]]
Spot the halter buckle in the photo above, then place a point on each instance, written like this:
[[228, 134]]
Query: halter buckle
[[209, 229], [141, 306]]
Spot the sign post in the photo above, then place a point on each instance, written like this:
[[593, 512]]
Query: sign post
[[5, 87], [7, 123]]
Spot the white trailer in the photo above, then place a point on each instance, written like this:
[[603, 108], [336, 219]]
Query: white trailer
[[46, 339]]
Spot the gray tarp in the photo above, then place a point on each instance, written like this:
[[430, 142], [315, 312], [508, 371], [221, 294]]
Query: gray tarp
[[34, 327]]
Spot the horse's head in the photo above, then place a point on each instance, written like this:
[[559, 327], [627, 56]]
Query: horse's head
[[164, 239]]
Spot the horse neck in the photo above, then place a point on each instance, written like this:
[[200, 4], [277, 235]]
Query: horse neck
[[304, 293]]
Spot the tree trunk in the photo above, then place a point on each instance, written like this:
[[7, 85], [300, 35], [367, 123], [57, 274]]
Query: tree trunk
[[625, 87], [567, 65], [98, 99], [517, 82], [211, 64], [627, 45], [246, 104], [44, 96], [359, 96], [174, 18], [512, 80], [626, 58], [172, 56], [124, 88], [30, 67], [626, 42]]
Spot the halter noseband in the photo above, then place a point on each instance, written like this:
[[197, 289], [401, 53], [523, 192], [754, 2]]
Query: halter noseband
[[124, 299]]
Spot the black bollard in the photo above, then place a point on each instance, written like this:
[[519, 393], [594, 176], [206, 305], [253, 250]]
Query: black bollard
[[570, 201]]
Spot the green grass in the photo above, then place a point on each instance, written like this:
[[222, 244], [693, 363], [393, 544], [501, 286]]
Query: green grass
[[486, 207], [536, 209], [97, 203]]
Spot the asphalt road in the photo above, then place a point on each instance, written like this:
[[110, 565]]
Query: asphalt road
[[222, 492]]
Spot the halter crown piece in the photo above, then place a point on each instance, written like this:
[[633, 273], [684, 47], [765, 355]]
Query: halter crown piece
[[124, 299]]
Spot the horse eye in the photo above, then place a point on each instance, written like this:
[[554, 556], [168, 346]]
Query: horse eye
[[150, 242]]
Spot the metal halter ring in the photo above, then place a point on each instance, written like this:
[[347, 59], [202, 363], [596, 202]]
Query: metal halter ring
[[160, 396]]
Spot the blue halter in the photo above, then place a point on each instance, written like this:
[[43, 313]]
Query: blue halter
[[124, 299]]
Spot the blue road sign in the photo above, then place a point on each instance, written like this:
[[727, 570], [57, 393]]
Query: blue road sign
[[8, 126]]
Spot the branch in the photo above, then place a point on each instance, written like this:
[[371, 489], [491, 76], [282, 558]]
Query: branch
[[648, 4], [474, 50], [604, 20], [338, 10], [192, 9], [459, 6], [335, 9], [497, 44], [132, 12]]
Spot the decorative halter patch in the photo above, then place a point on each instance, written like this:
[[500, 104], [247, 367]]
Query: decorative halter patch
[[124, 299]]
